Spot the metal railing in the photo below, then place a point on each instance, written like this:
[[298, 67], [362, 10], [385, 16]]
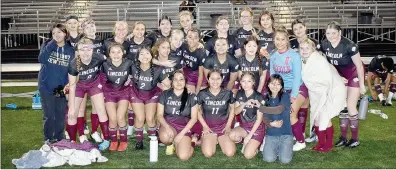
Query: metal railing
[[283, 17]]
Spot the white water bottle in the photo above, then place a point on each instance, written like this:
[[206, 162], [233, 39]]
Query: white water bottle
[[153, 149], [363, 106]]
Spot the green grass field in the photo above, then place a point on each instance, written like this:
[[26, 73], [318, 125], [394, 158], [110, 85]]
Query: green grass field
[[21, 131]]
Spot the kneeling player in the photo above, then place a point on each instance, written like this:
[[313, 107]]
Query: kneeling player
[[381, 68], [177, 114], [217, 114]]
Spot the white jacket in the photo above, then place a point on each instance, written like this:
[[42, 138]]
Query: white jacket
[[327, 92]]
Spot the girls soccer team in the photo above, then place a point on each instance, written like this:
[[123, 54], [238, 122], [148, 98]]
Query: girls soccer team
[[179, 86]]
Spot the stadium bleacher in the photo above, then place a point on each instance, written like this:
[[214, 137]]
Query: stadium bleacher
[[30, 22]]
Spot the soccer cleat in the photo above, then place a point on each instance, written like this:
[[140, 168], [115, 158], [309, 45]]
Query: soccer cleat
[[383, 102], [298, 146], [139, 145], [104, 145], [353, 143], [96, 137], [83, 138], [86, 130], [389, 103], [130, 130], [113, 146], [67, 135], [312, 138], [170, 149], [123, 146], [341, 142]]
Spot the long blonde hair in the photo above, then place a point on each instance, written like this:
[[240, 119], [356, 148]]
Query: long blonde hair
[[83, 41]]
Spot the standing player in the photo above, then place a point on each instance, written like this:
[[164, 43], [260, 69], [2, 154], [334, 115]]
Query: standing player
[[227, 64], [251, 131], [252, 62], [266, 33], [89, 31], [84, 78], [287, 63], [327, 93], [216, 115], [247, 29], [344, 55], [120, 32], [177, 113], [72, 26], [164, 31], [55, 56], [381, 68], [116, 70], [193, 58], [186, 22], [300, 33], [222, 28], [139, 40], [161, 51], [145, 93]]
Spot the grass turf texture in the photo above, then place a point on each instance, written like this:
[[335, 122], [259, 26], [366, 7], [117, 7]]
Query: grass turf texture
[[22, 131]]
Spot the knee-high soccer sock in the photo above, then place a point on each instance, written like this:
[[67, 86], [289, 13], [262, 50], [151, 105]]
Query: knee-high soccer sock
[[344, 122], [152, 131], [113, 134], [354, 124], [72, 130], [131, 118], [302, 118], [80, 126], [329, 137], [393, 87], [378, 89], [321, 139], [94, 122], [104, 126], [139, 134], [296, 128], [123, 133]]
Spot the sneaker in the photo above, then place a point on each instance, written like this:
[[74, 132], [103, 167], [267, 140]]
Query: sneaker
[[130, 130], [86, 130], [170, 149], [139, 145], [341, 142], [312, 138], [83, 138], [123, 146], [104, 145], [353, 143], [67, 135], [298, 146], [113, 146], [383, 102], [96, 137], [389, 103]]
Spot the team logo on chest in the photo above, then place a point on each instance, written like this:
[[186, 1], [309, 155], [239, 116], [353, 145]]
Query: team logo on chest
[[287, 60]]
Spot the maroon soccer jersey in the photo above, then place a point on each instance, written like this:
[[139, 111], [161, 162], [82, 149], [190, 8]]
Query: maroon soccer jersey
[[254, 66], [249, 114], [133, 48], [172, 104], [115, 77], [215, 108], [147, 80], [87, 73], [229, 66]]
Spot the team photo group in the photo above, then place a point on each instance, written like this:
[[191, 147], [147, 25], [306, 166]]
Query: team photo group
[[255, 86]]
